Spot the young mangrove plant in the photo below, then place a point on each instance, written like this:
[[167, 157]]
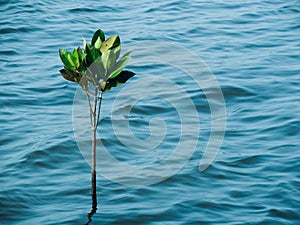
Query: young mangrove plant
[[96, 68]]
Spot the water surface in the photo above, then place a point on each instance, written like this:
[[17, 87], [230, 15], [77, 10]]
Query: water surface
[[252, 47]]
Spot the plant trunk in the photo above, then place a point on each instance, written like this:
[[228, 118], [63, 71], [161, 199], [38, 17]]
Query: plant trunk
[[94, 187], [95, 116]]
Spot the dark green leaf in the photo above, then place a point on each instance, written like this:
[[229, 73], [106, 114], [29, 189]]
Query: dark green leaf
[[118, 80], [89, 57], [67, 75], [98, 34], [81, 54], [92, 54], [124, 76]]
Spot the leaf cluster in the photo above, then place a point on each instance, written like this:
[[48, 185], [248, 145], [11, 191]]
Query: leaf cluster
[[98, 63]]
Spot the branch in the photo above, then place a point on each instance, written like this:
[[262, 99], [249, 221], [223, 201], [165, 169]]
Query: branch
[[95, 108], [90, 106]]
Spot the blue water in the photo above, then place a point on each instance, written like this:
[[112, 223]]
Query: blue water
[[252, 48]]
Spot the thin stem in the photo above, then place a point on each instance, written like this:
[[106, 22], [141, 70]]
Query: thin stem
[[92, 94], [90, 107], [99, 107], [95, 107], [94, 188]]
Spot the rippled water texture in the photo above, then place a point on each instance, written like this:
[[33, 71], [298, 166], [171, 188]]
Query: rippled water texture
[[252, 47]]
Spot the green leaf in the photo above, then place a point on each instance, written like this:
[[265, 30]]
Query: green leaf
[[96, 63], [98, 70], [96, 53], [66, 75], [108, 58], [124, 76], [70, 59], [65, 57], [89, 56], [116, 52], [75, 58], [105, 59], [98, 34], [81, 54], [118, 80], [92, 54], [98, 43], [119, 66], [110, 43]]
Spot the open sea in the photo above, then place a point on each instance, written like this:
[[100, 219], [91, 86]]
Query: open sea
[[219, 74]]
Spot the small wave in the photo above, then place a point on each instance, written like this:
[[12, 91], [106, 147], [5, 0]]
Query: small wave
[[92, 10], [15, 30]]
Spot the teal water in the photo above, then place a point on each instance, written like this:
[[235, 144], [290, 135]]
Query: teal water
[[252, 48]]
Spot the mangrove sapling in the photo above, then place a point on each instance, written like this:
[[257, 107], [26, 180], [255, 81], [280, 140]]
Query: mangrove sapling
[[96, 68]]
